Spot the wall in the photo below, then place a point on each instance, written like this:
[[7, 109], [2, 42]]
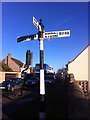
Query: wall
[[2, 76], [6, 75], [80, 66]]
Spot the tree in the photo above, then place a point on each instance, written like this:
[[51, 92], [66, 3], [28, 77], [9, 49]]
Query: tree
[[62, 72], [5, 67]]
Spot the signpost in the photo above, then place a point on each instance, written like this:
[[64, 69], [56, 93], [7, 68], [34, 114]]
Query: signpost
[[41, 35]]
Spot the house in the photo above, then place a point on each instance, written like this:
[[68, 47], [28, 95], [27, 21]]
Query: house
[[80, 67], [2, 75], [10, 68], [13, 63]]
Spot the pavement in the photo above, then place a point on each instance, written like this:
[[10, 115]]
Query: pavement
[[8, 97], [58, 104]]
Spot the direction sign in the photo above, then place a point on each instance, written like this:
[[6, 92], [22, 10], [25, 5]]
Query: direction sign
[[57, 34], [27, 38], [36, 23]]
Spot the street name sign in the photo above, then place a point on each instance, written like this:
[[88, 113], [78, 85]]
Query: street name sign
[[57, 34], [27, 38]]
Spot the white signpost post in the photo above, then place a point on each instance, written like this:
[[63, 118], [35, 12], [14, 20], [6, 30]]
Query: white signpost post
[[41, 35]]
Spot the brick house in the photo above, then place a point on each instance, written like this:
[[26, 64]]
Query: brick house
[[13, 63], [10, 68]]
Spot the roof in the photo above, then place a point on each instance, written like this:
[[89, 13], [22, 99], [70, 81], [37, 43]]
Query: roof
[[78, 54], [17, 62]]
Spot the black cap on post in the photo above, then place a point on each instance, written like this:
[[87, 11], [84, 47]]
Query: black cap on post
[[42, 26]]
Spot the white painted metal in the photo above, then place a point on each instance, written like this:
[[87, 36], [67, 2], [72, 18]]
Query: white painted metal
[[36, 23], [41, 44], [29, 38], [57, 34], [42, 82]]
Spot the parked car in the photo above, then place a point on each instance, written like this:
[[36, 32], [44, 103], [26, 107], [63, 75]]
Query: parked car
[[31, 81], [49, 80], [12, 84]]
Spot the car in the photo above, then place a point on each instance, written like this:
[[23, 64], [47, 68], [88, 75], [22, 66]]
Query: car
[[32, 81], [11, 84], [49, 80]]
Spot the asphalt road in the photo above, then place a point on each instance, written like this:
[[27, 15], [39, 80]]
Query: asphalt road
[[58, 104]]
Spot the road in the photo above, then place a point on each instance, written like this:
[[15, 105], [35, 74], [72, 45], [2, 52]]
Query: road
[[57, 105]]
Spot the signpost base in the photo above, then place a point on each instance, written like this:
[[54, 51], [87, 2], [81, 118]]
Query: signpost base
[[42, 97]]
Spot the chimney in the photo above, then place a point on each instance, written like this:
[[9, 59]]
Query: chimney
[[8, 58]]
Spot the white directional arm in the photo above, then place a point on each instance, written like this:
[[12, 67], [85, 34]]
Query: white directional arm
[[36, 23], [57, 34], [27, 38]]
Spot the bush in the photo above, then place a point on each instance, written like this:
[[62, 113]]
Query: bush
[[5, 67]]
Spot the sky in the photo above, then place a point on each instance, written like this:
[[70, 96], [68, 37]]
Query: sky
[[17, 21]]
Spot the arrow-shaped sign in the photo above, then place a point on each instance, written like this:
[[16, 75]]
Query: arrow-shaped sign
[[36, 23], [57, 34], [27, 38]]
